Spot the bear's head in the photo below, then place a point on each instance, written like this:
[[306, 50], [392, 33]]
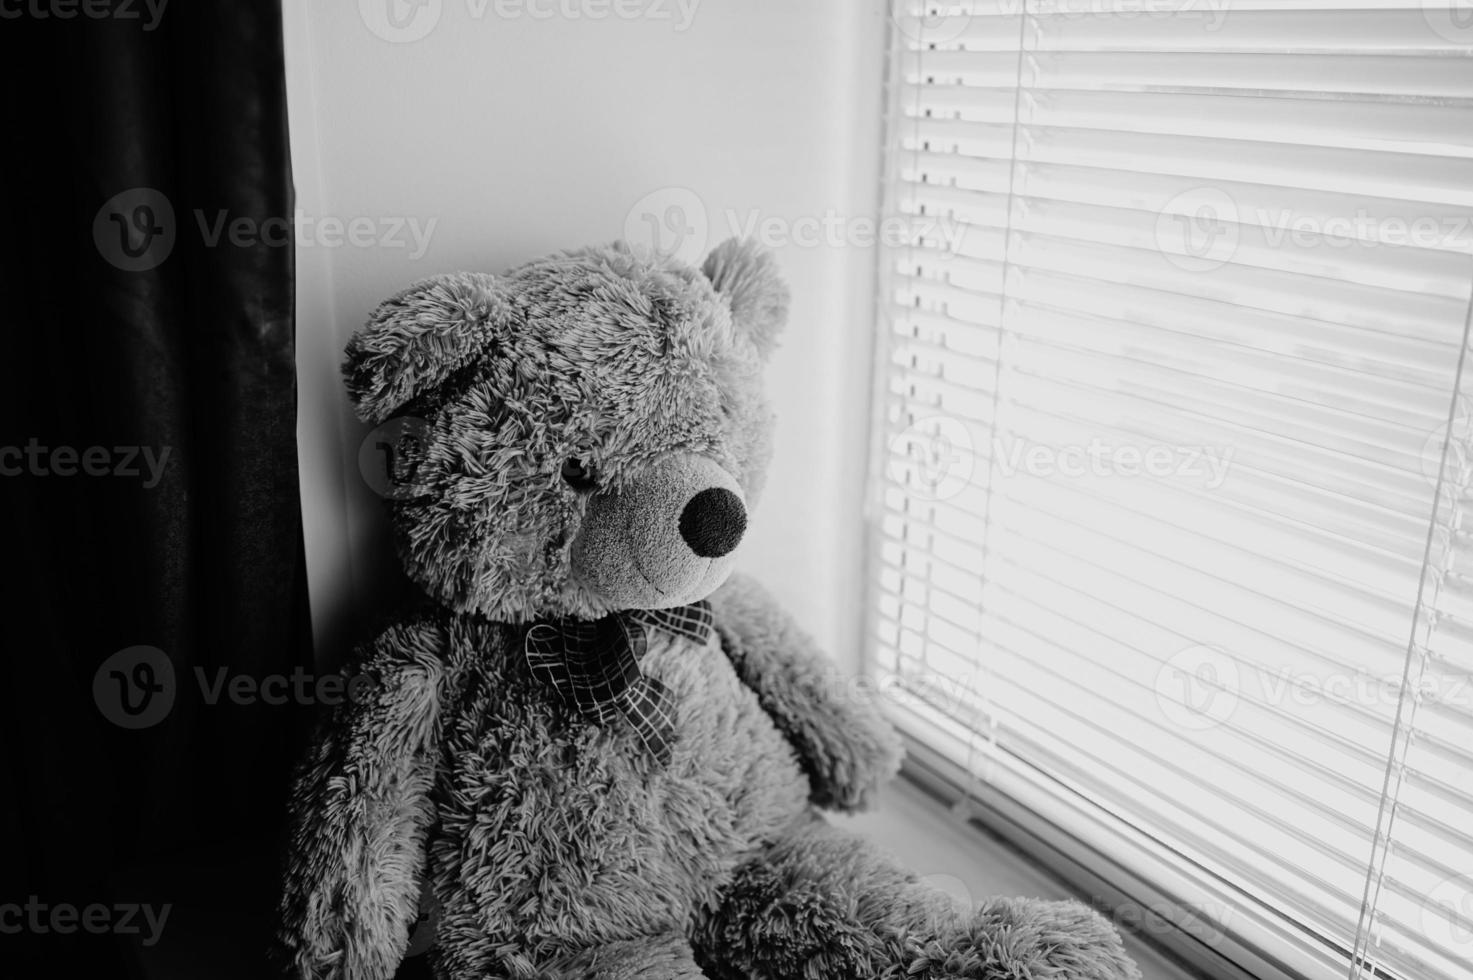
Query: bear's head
[[581, 435]]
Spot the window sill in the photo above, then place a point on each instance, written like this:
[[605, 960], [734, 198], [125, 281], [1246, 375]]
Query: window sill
[[960, 858]]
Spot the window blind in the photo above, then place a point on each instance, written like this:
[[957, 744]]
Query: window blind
[[1171, 528]]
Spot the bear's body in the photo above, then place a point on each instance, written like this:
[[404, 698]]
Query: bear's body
[[576, 794], [579, 838]]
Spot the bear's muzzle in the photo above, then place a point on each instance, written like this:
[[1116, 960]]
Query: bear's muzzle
[[665, 539]]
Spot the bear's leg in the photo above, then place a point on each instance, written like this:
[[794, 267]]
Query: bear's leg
[[824, 903], [662, 957]]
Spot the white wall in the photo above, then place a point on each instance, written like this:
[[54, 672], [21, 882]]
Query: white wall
[[517, 134]]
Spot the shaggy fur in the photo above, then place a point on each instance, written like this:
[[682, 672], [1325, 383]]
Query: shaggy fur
[[552, 846], [602, 356]]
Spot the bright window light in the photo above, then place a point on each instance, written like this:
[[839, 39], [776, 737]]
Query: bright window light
[[1171, 527]]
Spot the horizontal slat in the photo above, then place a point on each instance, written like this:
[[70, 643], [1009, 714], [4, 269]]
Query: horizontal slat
[[1308, 644], [1329, 75], [1300, 508], [1341, 428], [975, 340], [1238, 575], [1305, 467], [1419, 407], [1404, 176], [1397, 242], [1365, 353], [1077, 25], [1426, 317], [1437, 130], [1296, 452]]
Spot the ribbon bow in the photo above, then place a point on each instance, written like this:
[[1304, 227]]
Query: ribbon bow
[[594, 667]]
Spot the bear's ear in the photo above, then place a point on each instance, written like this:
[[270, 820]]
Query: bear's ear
[[746, 274], [421, 336]]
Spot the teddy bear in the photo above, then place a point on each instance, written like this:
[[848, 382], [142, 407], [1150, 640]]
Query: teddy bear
[[593, 751]]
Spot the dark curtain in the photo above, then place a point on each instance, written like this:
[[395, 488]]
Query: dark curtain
[[149, 479]]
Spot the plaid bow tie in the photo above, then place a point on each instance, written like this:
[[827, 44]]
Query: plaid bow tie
[[594, 667]]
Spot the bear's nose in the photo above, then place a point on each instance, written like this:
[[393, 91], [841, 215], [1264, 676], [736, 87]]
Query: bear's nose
[[713, 522]]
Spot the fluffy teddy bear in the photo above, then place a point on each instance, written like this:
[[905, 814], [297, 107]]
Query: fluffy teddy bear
[[589, 755]]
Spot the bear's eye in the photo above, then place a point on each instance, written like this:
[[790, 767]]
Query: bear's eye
[[579, 475]]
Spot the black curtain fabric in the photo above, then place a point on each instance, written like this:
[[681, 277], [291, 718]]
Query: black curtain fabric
[[157, 645]]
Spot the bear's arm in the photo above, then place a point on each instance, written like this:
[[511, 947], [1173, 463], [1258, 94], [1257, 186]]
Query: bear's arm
[[360, 810], [846, 745]]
